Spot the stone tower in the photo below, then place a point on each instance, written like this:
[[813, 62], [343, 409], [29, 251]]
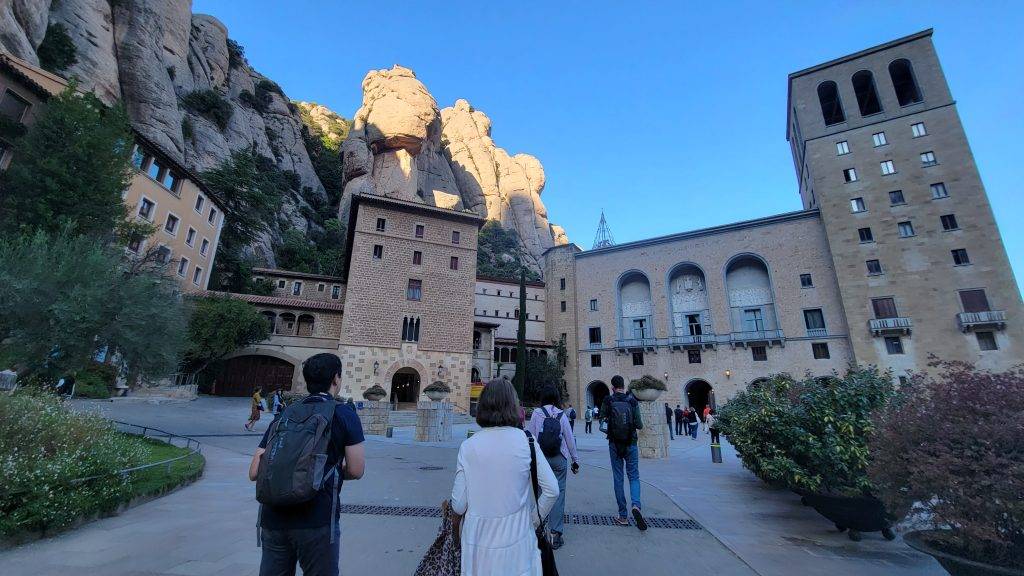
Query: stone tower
[[879, 149]]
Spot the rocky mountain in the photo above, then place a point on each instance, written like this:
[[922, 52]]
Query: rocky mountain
[[189, 88]]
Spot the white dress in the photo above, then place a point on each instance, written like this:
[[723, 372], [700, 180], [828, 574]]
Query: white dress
[[494, 492]]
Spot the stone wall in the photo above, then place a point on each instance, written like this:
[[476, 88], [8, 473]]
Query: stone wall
[[357, 372], [653, 437], [374, 416], [433, 421]]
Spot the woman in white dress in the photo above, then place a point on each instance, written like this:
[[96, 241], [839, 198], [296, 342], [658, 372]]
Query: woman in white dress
[[494, 491]]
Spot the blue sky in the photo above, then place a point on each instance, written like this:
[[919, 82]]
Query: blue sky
[[670, 116]]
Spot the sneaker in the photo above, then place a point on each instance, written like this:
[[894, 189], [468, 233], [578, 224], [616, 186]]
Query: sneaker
[[556, 540], [640, 522], [622, 521]]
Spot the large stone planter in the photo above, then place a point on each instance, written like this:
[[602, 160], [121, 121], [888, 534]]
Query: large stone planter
[[647, 395], [433, 421], [436, 395], [956, 565], [374, 417], [652, 440]]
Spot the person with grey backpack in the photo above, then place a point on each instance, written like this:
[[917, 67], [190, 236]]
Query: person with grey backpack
[[551, 427], [304, 456]]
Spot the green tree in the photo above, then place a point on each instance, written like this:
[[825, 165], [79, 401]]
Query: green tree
[[541, 373], [500, 253], [65, 297], [296, 252], [57, 51], [220, 325], [70, 168], [521, 368]]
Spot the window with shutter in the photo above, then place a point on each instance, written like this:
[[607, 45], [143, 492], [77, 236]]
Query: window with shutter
[[974, 300]]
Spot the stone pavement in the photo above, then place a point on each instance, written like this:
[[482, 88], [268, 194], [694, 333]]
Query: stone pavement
[[209, 527]]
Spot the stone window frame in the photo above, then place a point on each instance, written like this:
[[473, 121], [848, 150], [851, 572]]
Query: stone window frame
[[759, 353], [378, 252], [381, 224], [960, 257], [297, 288], [199, 204], [865, 235], [842, 148], [417, 258], [948, 222], [419, 230], [204, 247], [990, 334], [638, 358], [810, 280], [850, 174], [894, 346], [878, 263], [914, 130], [691, 354], [152, 211], [183, 267], [595, 360], [878, 139], [820, 351], [177, 224], [190, 237], [197, 275], [905, 229]]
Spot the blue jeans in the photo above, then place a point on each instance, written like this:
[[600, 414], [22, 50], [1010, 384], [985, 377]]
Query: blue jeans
[[560, 467], [693, 430], [630, 462], [310, 547]]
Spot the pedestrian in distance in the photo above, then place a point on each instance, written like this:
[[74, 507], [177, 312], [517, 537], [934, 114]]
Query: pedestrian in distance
[[620, 414], [707, 411], [494, 490], [693, 421], [256, 406], [712, 423], [679, 414], [276, 403], [571, 412], [552, 429], [668, 420], [588, 420], [316, 443]]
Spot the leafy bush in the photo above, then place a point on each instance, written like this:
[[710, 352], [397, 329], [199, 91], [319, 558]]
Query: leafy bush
[[95, 381], [500, 253], [188, 129], [210, 105], [809, 435], [647, 382], [236, 54], [953, 448], [221, 325], [57, 51]]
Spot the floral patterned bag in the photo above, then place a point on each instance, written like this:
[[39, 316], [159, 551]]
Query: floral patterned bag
[[444, 557]]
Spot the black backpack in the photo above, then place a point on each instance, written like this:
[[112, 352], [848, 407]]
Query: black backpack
[[620, 421], [550, 437], [292, 468]]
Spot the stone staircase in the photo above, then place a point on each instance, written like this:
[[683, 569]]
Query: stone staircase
[[400, 418]]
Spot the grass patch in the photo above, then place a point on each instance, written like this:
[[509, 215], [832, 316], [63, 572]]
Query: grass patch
[[160, 479]]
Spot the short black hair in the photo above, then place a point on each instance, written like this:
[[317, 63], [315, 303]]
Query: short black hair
[[498, 404], [319, 372], [618, 383], [550, 396]]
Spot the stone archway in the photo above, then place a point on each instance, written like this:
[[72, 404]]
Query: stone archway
[[405, 389], [698, 394], [597, 391]]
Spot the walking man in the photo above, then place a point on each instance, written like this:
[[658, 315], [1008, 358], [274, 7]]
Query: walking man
[[668, 420], [679, 420], [553, 431], [571, 412], [306, 531], [711, 421], [693, 422], [621, 414], [588, 419]]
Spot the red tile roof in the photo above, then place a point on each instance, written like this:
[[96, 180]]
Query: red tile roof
[[281, 301]]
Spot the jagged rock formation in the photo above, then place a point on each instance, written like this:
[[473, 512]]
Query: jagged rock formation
[[325, 123], [402, 146]]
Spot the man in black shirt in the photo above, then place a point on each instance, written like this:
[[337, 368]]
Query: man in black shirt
[[306, 532]]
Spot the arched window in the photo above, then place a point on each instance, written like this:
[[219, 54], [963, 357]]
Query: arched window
[[416, 331], [497, 354], [410, 329], [544, 354], [477, 338], [831, 107], [286, 324], [305, 326], [867, 95], [405, 329], [903, 82], [635, 308], [751, 300], [514, 356]]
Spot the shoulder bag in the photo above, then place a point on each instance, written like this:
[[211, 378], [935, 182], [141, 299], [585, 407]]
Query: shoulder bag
[[547, 554]]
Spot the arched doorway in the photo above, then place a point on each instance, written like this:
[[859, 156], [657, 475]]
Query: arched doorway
[[241, 375], [699, 395], [405, 389], [597, 391]]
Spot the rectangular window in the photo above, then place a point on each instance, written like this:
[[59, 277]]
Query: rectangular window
[[154, 170], [335, 292], [857, 205], [135, 245], [939, 190], [752, 320], [453, 264], [562, 305], [417, 257], [896, 198], [204, 247], [928, 159], [948, 222], [960, 257], [171, 224], [281, 284], [296, 288], [595, 360], [593, 304], [170, 181], [884, 308], [865, 235], [415, 290], [850, 175], [419, 231], [759, 353], [197, 275], [561, 283], [378, 251], [878, 138], [974, 300], [693, 356], [13, 106], [986, 341], [638, 358], [918, 130], [138, 158], [212, 220], [820, 350], [320, 287], [595, 334], [874, 267], [146, 207], [381, 224], [183, 267], [200, 202], [190, 236], [893, 345], [163, 255], [842, 148], [906, 229], [806, 281], [887, 167], [814, 319]]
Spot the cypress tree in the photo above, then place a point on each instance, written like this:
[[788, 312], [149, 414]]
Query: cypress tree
[[520, 380]]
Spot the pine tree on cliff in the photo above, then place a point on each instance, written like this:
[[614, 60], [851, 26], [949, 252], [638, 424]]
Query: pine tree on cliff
[[520, 380]]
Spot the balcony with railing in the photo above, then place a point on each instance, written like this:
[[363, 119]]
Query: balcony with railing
[[968, 321], [756, 337], [683, 337], [754, 325], [631, 344], [817, 332], [894, 325]]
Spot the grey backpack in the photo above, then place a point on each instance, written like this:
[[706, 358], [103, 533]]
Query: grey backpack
[[292, 467]]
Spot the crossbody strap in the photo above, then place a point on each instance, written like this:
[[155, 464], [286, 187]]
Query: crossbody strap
[[535, 483]]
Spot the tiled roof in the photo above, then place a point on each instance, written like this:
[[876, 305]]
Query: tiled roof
[[281, 301], [290, 274]]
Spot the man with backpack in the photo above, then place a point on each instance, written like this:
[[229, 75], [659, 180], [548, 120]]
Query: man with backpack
[[550, 426], [298, 469], [571, 413], [680, 415], [620, 414]]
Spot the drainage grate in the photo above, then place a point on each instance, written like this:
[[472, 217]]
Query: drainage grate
[[431, 467], [578, 519]]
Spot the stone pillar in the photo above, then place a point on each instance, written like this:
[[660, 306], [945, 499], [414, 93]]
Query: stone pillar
[[433, 421], [374, 417], [653, 437]]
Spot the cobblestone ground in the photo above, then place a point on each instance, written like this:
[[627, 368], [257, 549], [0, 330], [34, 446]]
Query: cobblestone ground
[[209, 527]]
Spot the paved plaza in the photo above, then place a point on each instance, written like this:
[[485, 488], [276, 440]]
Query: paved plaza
[[209, 527]]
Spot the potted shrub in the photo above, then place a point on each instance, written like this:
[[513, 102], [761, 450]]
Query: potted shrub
[[374, 393], [437, 391], [811, 436], [951, 450], [647, 388]]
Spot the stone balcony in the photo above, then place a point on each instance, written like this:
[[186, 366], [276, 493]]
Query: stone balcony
[[636, 344], [691, 341], [817, 332], [746, 338], [895, 325], [968, 321]]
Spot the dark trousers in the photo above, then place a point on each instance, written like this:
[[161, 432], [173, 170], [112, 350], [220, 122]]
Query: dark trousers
[[714, 436], [572, 424], [670, 429], [590, 425], [679, 427], [310, 547]]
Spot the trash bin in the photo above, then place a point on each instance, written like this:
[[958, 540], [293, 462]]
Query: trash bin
[[716, 453]]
